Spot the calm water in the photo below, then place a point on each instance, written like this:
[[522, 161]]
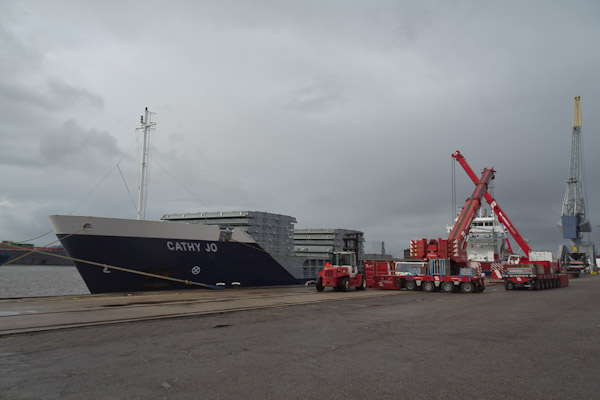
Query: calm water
[[40, 280]]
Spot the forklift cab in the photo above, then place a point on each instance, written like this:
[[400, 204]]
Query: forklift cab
[[344, 259]]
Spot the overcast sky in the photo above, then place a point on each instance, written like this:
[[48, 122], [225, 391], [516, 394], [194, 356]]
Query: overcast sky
[[340, 113]]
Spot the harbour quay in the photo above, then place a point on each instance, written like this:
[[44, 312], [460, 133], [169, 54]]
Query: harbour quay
[[295, 343]]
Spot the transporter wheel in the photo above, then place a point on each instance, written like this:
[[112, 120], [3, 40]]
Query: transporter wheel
[[447, 287], [411, 285], [480, 288], [428, 286], [508, 285], [467, 287], [363, 284], [345, 284], [319, 285]]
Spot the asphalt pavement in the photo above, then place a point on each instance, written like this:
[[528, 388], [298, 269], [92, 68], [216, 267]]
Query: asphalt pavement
[[494, 345]]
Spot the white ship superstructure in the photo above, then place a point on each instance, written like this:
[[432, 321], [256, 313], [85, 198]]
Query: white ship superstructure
[[486, 242]]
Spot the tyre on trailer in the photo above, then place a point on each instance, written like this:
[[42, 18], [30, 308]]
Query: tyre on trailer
[[319, 284], [447, 287], [411, 285], [508, 285], [467, 287], [428, 286]]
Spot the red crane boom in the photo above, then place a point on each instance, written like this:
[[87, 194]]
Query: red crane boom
[[463, 223], [453, 246], [494, 205]]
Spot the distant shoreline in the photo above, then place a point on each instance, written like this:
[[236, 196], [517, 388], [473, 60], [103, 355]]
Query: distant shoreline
[[36, 258]]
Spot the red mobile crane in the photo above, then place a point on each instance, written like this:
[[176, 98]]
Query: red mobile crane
[[454, 246], [495, 207], [447, 266], [535, 270]]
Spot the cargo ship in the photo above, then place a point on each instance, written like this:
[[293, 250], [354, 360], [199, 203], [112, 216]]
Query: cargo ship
[[125, 255], [4, 257], [182, 250]]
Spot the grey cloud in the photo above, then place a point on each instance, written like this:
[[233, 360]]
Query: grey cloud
[[55, 95], [64, 95], [25, 83], [73, 147], [319, 96], [341, 113]]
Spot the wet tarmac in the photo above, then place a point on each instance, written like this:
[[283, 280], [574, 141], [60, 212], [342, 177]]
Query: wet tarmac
[[294, 343]]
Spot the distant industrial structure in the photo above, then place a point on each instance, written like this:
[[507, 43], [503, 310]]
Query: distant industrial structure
[[27, 254], [315, 245], [578, 254]]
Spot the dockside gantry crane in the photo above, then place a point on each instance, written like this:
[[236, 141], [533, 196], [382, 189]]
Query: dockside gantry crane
[[578, 254]]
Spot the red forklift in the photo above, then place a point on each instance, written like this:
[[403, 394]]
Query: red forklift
[[342, 273]]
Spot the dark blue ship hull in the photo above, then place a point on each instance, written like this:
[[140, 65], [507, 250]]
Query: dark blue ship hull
[[4, 257], [223, 263]]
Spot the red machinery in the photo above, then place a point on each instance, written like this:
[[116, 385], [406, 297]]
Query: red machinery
[[446, 266], [540, 272], [341, 273], [454, 246], [495, 207], [380, 275], [391, 275], [534, 270]]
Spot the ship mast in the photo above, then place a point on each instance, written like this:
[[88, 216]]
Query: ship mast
[[146, 125]]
